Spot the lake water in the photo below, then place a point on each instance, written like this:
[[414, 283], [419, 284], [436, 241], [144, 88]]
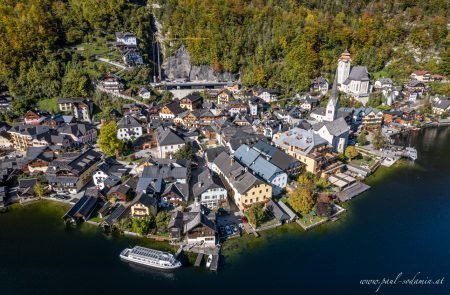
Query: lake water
[[402, 225]]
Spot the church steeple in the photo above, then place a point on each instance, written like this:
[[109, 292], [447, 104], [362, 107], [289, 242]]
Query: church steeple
[[344, 64], [332, 105]]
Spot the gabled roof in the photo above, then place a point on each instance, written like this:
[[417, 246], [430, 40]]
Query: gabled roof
[[145, 199], [76, 129], [236, 174], [358, 73], [258, 164], [335, 128], [303, 139], [166, 136], [199, 219], [277, 157], [128, 122], [174, 107], [180, 189], [193, 97], [205, 180]]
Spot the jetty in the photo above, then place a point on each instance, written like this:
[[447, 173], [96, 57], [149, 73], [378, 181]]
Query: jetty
[[201, 251], [199, 259], [352, 191]]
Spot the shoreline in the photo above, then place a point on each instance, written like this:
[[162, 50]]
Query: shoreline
[[229, 244]]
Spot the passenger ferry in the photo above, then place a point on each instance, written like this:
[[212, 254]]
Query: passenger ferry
[[150, 257]]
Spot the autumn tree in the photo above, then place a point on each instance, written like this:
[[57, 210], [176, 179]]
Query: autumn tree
[[184, 153], [162, 220], [362, 138], [39, 190], [256, 214], [351, 152], [379, 141], [108, 141], [301, 199]]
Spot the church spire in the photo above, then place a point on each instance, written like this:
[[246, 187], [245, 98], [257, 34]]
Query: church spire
[[331, 111]]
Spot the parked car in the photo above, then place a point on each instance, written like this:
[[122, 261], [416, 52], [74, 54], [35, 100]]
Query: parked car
[[234, 228], [222, 230], [228, 230]]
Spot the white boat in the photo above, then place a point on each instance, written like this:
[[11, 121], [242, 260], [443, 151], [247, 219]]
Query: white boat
[[412, 153], [150, 257], [208, 261]]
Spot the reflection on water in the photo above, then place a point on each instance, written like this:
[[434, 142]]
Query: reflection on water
[[151, 272], [424, 140]]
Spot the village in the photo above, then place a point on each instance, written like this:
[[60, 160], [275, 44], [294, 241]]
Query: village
[[211, 160]]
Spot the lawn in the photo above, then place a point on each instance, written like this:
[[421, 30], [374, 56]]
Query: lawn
[[96, 219], [359, 162], [308, 220], [49, 105]]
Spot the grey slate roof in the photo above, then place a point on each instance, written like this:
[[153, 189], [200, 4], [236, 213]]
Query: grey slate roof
[[259, 165], [276, 210], [76, 129], [442, 104], [301, 138], [29, 130], [212, 153], [166, 136], [240, 179], [358, 73], [205, 180], [145, 199], [336, 127], [128, 122], [277, 156]]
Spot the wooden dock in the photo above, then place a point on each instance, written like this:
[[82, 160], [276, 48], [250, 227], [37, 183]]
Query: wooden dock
[[199, 259], [352, 191], [179, 251], [215, 263]]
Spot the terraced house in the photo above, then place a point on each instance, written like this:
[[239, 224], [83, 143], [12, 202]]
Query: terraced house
[[258, 165], [245, 187], [25, 136], [72, 171]]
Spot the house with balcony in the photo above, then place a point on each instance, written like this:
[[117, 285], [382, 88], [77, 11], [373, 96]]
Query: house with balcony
[[307, 147], [72, 171], [111, 83], [128, 128], [143, 205], [208, 189], [25, 136], [196, 227], [191, 101], [79, 133]]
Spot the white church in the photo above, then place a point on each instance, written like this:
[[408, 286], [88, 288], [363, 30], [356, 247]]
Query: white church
[[331, 125], [353, 80]]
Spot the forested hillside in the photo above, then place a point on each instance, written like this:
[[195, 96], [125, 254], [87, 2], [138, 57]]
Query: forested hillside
[[35, 35], [276, 43], [285, 42]]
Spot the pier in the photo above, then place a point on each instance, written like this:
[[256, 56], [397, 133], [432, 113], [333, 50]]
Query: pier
[[352, 191], [199, 259]]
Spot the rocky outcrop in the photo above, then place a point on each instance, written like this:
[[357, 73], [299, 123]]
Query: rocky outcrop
[[178, 67]]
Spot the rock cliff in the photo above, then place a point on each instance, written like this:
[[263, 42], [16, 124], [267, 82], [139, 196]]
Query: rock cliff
[[178, 67]]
